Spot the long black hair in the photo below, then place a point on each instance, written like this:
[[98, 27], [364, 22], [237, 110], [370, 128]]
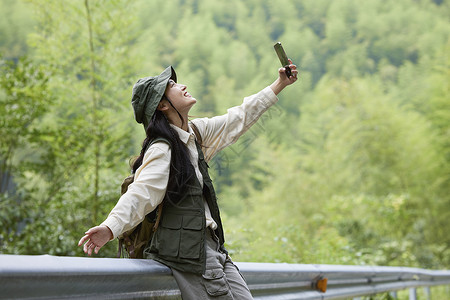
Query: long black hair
[[181, 169]]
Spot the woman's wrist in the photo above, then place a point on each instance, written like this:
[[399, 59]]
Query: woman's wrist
[[111, 235], [277, 86]]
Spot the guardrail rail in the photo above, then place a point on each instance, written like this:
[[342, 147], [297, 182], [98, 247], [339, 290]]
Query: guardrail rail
[[54, 277]]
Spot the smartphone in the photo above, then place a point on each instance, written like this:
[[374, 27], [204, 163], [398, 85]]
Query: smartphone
[[283, 58]]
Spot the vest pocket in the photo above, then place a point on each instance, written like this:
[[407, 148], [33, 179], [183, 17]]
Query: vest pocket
[[191, 237], [169, 235]]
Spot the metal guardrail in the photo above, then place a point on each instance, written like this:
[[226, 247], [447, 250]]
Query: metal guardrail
[[53, 277]]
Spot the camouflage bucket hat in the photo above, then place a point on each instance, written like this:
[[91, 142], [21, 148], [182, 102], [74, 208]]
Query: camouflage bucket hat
[[148, 92]]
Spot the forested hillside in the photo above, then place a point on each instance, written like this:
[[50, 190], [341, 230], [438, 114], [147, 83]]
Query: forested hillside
[[351, 166]]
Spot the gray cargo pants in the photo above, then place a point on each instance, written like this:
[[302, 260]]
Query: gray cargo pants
[[222, 279]]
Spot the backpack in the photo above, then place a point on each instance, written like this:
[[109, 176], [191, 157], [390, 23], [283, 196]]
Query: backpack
[[135, 240]]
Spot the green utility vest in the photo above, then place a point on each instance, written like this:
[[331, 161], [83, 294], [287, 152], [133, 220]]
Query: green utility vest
[[179, 241]]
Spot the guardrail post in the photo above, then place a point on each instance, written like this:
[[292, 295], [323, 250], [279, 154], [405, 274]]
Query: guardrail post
[[412, 294], [427, 292]]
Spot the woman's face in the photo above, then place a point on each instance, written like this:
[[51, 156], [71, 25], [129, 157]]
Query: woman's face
[[180, 98]]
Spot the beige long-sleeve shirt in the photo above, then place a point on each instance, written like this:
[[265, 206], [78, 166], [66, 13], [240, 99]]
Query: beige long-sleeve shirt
[[151, 178]]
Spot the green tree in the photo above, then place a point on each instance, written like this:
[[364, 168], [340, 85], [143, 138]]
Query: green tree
[[24, 99], [85, 138]]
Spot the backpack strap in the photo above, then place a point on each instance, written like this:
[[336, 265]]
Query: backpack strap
[[157, 140], [197, 133], [158, 217]]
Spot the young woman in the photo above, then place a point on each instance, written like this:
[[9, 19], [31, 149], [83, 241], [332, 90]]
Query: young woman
[[173, 170]]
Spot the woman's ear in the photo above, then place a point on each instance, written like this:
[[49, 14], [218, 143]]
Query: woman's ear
[[163, 105]]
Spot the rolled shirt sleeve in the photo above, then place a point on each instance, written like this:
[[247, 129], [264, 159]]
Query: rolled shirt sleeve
[[145, 193]]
